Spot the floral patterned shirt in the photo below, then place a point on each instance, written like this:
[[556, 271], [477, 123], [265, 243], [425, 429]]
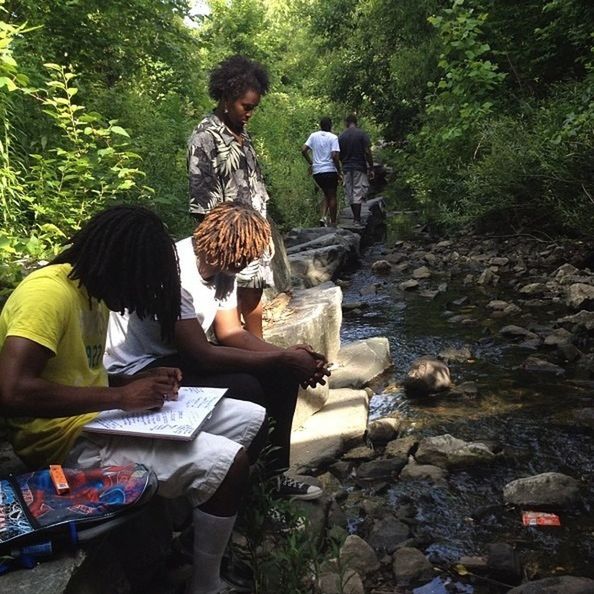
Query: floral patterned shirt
[[220, 169]]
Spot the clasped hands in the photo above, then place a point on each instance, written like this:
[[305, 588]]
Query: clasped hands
[[311, 368]]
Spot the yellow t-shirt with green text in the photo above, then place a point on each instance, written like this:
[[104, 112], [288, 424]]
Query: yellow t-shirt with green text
[[53, 311]]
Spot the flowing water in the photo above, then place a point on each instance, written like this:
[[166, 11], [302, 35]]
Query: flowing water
[[512, 409]]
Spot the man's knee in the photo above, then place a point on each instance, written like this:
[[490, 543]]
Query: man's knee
[[240, 469], [246, 387]]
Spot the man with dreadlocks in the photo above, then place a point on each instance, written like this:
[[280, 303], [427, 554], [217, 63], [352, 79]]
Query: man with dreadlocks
[[222, 167], [231, 236], [52, 379]]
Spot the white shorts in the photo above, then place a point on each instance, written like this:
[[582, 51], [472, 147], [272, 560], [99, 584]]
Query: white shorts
[[356, 186], [193, 469]]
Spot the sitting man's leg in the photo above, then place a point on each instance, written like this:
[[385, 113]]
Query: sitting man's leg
[[277, 392], [211, 471]]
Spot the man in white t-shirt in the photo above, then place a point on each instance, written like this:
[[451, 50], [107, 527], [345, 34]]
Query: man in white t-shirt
[[230, 236], [321, 151]]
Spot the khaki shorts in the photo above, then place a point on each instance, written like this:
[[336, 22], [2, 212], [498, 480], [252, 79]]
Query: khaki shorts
[[193, 469], [356, 186]]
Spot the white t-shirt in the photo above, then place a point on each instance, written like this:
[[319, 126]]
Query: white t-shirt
[[133, 343], [322, 144]]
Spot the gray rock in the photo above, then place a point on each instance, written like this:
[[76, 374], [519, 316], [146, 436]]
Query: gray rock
[[535, 365], [458, 355], [335, 583], [580, 296], [497, 304], [488, 277], [383, 430], [381, 267], [386, 468], [400, 448], [498, 261], [414, 471], [447, 451], [411, 567], [369, 290], [563, 584], [512, 331], [318, 260], [429, 293], [426, 376], [548, 489], [533, 289], [357, 363], [360, 454], [564, 272], [558, 337], [568, 352], [408, 285], [358, 555], [387, 533], [582, 319], [421, 273], [395, 257]]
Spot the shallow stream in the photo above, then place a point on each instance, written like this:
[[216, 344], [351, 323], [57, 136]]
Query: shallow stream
[[512, 409]]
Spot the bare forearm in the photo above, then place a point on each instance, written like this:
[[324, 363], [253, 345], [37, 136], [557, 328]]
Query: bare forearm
[[36, 397]]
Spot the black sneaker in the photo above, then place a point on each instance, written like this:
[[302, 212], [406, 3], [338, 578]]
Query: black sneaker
[[288, 488]]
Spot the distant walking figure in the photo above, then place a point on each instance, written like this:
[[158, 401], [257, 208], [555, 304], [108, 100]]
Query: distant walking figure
[[325, 166], [357, 164]]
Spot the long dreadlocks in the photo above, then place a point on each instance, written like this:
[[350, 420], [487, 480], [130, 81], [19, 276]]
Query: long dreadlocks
[[232, 235], [125, 257]]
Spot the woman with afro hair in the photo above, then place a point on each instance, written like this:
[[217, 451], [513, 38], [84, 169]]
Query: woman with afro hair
[[222, 167]]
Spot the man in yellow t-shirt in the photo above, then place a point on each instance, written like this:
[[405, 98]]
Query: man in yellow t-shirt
[[52, 380], [72, 327]]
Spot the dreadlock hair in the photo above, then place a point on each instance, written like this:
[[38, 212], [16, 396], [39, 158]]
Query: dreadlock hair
[[235, 76], [231, 236], [125, 257]]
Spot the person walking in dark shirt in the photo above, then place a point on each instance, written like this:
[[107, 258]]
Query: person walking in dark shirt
[[357, 165]]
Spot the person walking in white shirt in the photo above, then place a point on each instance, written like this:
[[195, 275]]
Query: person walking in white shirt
[[321, 151]]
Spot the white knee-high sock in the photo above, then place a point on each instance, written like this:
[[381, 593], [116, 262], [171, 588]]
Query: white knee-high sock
[[211, 535]]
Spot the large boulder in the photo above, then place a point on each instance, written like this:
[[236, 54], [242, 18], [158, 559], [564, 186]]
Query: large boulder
[[361, 361], [311, 316], [325, 435], [317, 255]]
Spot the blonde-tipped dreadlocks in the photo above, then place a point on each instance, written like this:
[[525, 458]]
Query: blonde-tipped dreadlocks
[[232, 235]]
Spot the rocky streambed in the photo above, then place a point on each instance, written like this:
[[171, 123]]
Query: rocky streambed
[[433, 502]]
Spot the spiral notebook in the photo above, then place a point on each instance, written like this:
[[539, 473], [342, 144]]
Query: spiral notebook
[[179, 419]]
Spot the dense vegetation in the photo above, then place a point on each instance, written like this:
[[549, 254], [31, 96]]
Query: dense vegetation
[[485, 108]]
